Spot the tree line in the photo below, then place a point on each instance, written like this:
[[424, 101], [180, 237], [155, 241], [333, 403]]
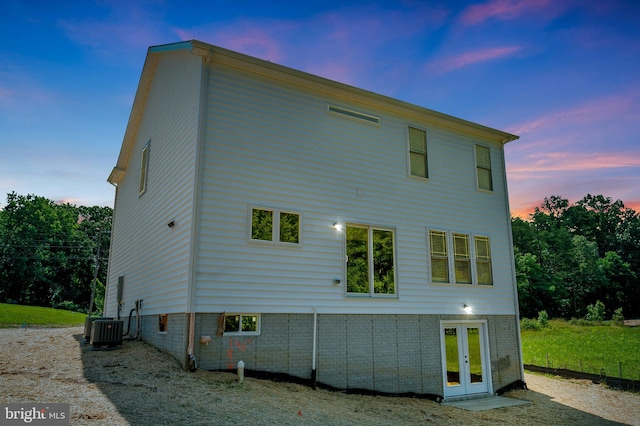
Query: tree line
[[568, 256], [50, 253], [572, 258]]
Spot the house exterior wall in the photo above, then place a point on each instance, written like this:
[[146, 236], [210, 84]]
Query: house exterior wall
[[153, 258], [274, 145], [383, 353]]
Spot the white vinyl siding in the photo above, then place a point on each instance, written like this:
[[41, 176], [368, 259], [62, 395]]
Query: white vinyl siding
[[273, 144], [153, 257]]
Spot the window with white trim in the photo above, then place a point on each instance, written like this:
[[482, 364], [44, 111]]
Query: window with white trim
[[242, 324], [483, 167], [418, 165], [470, 263], [483, 260], [143, 169], [439, 256], [370, 261], [461, 259], [275, 226]]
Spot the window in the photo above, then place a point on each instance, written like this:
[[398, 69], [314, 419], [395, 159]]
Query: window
[[143, 169], [483, 167], [163, 322], [275, 225], [461, 259], [248, 324], [439, 257], [483, 261], [418, 152], [370, 261]]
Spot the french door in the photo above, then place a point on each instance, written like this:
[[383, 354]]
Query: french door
[[464, 358]]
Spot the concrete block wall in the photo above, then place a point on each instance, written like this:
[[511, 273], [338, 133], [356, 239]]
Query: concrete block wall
[[385, 353], [174, 341]]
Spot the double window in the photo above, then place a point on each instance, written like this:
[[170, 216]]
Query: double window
[[464, 269], [370, 261], [245, 324], [275, 226]]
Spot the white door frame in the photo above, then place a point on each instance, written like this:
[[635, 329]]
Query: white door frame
[[465, 387]]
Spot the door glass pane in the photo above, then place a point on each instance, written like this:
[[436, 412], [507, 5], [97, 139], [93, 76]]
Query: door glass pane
[[453, 362], [475, 360], [357, 260], [383, 275]]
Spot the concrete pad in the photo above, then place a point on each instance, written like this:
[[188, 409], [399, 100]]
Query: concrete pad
[[488, 403]]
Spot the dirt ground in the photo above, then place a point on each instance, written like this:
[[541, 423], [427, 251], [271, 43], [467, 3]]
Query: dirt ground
[[138, 385]]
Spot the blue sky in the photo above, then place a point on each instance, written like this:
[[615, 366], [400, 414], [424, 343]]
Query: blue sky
[[564, 75]]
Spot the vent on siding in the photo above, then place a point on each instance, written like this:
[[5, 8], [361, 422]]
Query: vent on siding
[[354, 114]]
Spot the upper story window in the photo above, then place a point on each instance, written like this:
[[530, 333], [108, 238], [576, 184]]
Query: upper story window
[[275, 225], [418, 152], [370, 261], [483, 260], [483, 167], [439, 257], [143, 168], [471, 263], [461, 259]]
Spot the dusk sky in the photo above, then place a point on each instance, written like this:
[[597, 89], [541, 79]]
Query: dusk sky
[[564, 75]]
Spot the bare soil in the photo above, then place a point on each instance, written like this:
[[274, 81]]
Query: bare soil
[[139, 385]]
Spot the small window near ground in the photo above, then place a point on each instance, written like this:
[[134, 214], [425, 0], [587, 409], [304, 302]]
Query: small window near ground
[[462, 259], [242, 324], [483, 167], [143, 169], [275, 226], [163, 323], [418, 152], [439, 257], [483, 260]]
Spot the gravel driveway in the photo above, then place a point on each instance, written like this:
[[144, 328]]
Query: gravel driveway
[[138, 385]]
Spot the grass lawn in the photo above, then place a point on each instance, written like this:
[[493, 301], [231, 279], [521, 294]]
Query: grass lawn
[[11, 315], [594, 347]]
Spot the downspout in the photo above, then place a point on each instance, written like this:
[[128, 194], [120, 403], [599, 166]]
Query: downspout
[[108, 286], [513, 265], [195, 208], [313, 355]]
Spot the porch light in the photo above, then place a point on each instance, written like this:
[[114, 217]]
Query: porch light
[[337, 226], [467, 308]]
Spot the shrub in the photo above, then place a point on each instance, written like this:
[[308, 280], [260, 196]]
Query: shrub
[[527, 324], [68, 306], [617, 316], [543, 318], [596, 312]]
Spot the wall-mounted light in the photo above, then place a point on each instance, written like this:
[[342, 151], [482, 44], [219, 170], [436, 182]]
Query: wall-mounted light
[[467, 308], [337, 226], [171, 224], [336, 281]]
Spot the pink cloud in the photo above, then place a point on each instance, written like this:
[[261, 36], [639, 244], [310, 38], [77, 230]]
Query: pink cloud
[[574, 161], [501, 9], [469, 58], [593, 110]]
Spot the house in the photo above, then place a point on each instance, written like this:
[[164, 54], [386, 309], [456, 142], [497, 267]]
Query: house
[[312, 229]]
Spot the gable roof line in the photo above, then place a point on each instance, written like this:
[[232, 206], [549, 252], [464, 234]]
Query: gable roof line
[[290, 76]]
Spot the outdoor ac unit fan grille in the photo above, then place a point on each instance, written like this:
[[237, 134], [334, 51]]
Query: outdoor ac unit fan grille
[[106, 333]]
